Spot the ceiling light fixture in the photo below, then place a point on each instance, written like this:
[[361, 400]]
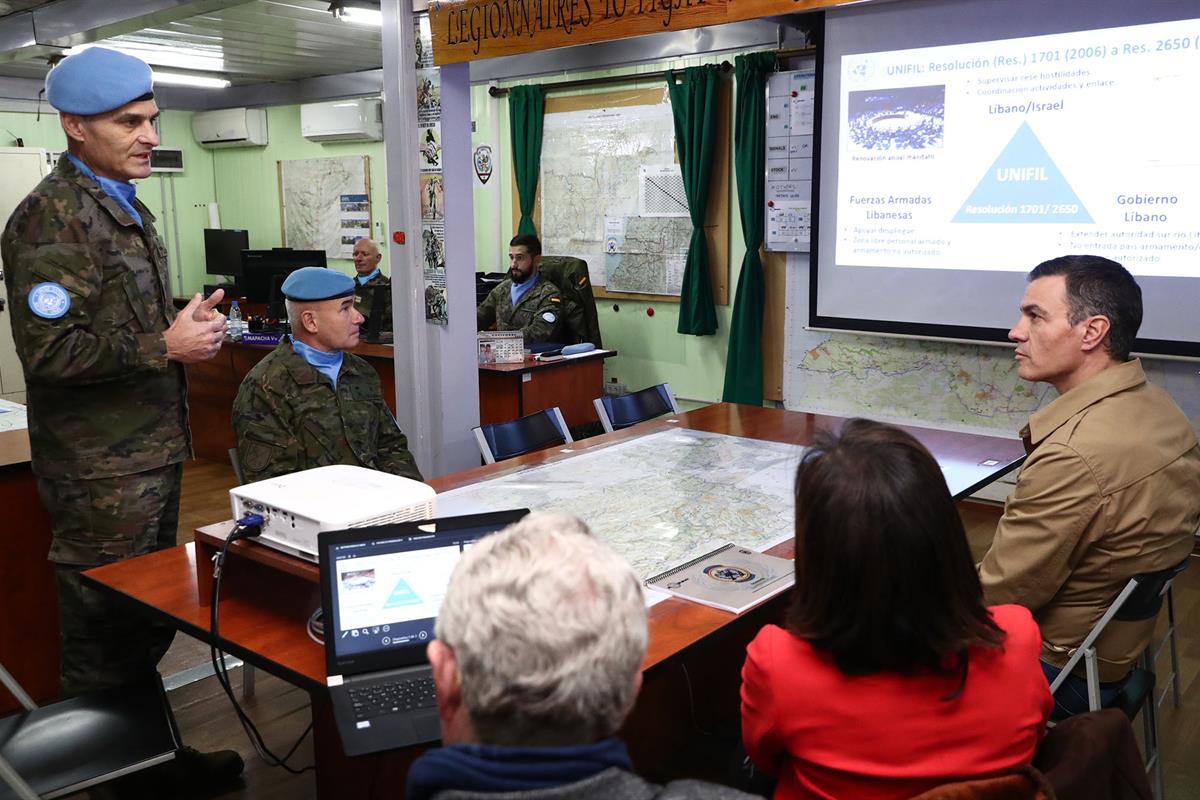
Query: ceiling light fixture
[[182, 79], [203, 59], [357, 12]]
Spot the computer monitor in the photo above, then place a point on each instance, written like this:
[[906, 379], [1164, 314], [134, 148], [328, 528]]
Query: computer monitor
[[263, 268], [223, 251]]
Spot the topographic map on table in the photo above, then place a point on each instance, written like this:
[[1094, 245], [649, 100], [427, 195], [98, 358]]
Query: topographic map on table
[[12, 416], [658, 500], [647, 254], [326, 204], [591, 162]]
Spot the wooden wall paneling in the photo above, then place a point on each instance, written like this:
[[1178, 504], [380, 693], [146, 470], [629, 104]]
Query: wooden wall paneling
[[774, 317]]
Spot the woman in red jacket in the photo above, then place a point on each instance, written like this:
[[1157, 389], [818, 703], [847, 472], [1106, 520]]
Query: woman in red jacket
[[891, 676]]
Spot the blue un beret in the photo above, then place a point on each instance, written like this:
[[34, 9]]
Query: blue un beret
[[97, 80], [317, 283]]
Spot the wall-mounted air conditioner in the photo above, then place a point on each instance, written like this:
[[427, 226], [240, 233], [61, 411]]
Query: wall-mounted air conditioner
[[358, 119], [230, 127], [166, 159]]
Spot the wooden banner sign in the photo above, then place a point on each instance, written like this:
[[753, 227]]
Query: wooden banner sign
[[468, 30]]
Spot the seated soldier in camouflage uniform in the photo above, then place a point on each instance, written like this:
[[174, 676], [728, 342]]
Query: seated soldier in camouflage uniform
[[366, 264], [524, 301], [309, 404]]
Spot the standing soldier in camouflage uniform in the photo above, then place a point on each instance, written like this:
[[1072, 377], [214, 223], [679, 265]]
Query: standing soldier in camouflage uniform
[[366, 264], [309, 404], [523, 301], [103, 353]]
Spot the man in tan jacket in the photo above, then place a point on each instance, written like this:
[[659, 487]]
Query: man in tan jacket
[[1111, 487]]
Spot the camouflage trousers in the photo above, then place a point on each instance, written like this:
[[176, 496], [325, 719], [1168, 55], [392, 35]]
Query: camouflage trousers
[[106, 642]]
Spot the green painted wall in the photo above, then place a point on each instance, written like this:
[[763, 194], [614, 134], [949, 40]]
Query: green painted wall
[[242, 181], [246, 180], [651, 351]]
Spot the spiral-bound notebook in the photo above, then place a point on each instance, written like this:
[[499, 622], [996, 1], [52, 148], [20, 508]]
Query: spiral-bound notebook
[[731, 578]]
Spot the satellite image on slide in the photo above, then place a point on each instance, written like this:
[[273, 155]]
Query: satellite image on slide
[[907, 118]]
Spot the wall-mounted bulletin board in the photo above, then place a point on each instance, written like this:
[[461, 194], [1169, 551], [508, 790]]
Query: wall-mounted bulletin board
[[325, 203], [610, 193], [791, 101], [791, 107]]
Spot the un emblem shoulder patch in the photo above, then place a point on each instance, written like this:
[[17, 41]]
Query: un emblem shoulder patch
[[49, 300]]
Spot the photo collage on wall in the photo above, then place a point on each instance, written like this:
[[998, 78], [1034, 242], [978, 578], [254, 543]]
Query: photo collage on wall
[[432, 198]]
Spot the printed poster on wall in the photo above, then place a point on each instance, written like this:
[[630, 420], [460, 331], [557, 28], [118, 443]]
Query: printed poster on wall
[[432, 197], [326, 203]]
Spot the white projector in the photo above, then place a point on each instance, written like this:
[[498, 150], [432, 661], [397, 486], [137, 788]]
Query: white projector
[[296, 507]]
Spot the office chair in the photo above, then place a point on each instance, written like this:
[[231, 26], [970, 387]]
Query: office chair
[[70, 745], [501, 440], [620, 412], [1140, 600]]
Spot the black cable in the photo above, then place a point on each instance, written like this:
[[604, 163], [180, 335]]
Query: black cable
[[245, 528]]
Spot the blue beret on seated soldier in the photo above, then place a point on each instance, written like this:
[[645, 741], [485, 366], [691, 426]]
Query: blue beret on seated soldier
[[311, 404], [103, 350]]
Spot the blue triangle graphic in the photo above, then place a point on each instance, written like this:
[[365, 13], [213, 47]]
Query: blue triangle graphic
[[1023, 185], [402, 595]]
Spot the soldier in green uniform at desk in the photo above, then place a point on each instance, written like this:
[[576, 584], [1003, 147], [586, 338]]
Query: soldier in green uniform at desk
[[524, 301], [310, 404], [368, 275]]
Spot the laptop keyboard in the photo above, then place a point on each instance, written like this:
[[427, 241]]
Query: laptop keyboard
[[392, 698]]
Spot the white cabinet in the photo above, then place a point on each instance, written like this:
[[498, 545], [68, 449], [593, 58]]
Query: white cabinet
[[21, 168]]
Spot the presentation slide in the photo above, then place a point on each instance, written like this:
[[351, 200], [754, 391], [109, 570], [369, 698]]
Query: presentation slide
[[394, 588], [963, 142], [990, 156]]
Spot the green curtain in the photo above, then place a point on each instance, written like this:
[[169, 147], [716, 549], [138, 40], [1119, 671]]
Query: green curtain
[[526, 110], [744, 365], [694, 105]]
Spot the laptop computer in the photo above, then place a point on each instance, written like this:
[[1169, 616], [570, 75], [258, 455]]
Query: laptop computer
[[381, 587]]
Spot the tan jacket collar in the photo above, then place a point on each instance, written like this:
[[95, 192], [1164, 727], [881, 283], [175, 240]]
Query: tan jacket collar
[[1108, 382]]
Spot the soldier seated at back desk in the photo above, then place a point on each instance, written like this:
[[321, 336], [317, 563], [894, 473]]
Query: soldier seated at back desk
[[310, 404], [525, 301], [369, 275]]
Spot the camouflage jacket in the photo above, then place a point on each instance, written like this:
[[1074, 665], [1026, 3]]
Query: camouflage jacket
[[538, 315], [288, 417], [363, 297], [103, 399]]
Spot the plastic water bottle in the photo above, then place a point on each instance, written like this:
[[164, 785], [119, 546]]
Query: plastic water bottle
[[236, 326]]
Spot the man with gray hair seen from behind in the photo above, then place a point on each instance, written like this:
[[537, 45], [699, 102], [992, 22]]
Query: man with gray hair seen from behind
[[537, 662]]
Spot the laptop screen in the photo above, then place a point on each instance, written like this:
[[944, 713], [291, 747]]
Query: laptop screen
[[382, 587]]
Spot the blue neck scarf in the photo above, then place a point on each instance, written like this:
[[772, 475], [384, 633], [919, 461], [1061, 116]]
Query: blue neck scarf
[[120, 191], [492, 768], [363, 280], [520, 289], [328, 364]]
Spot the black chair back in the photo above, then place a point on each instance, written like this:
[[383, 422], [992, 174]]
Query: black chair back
[[524, 435], [1147, 598], [630, 409]]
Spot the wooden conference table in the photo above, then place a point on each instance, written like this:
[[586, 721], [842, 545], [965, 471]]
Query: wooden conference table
[[692, 664]]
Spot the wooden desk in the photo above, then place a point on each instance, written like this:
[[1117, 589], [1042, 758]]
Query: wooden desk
[[212, 386], [267, 597], [508, 391], [28, 602]]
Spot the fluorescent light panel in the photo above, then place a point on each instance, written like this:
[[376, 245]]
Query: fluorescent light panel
[[180, 79], [210, 59], [362, 16]]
